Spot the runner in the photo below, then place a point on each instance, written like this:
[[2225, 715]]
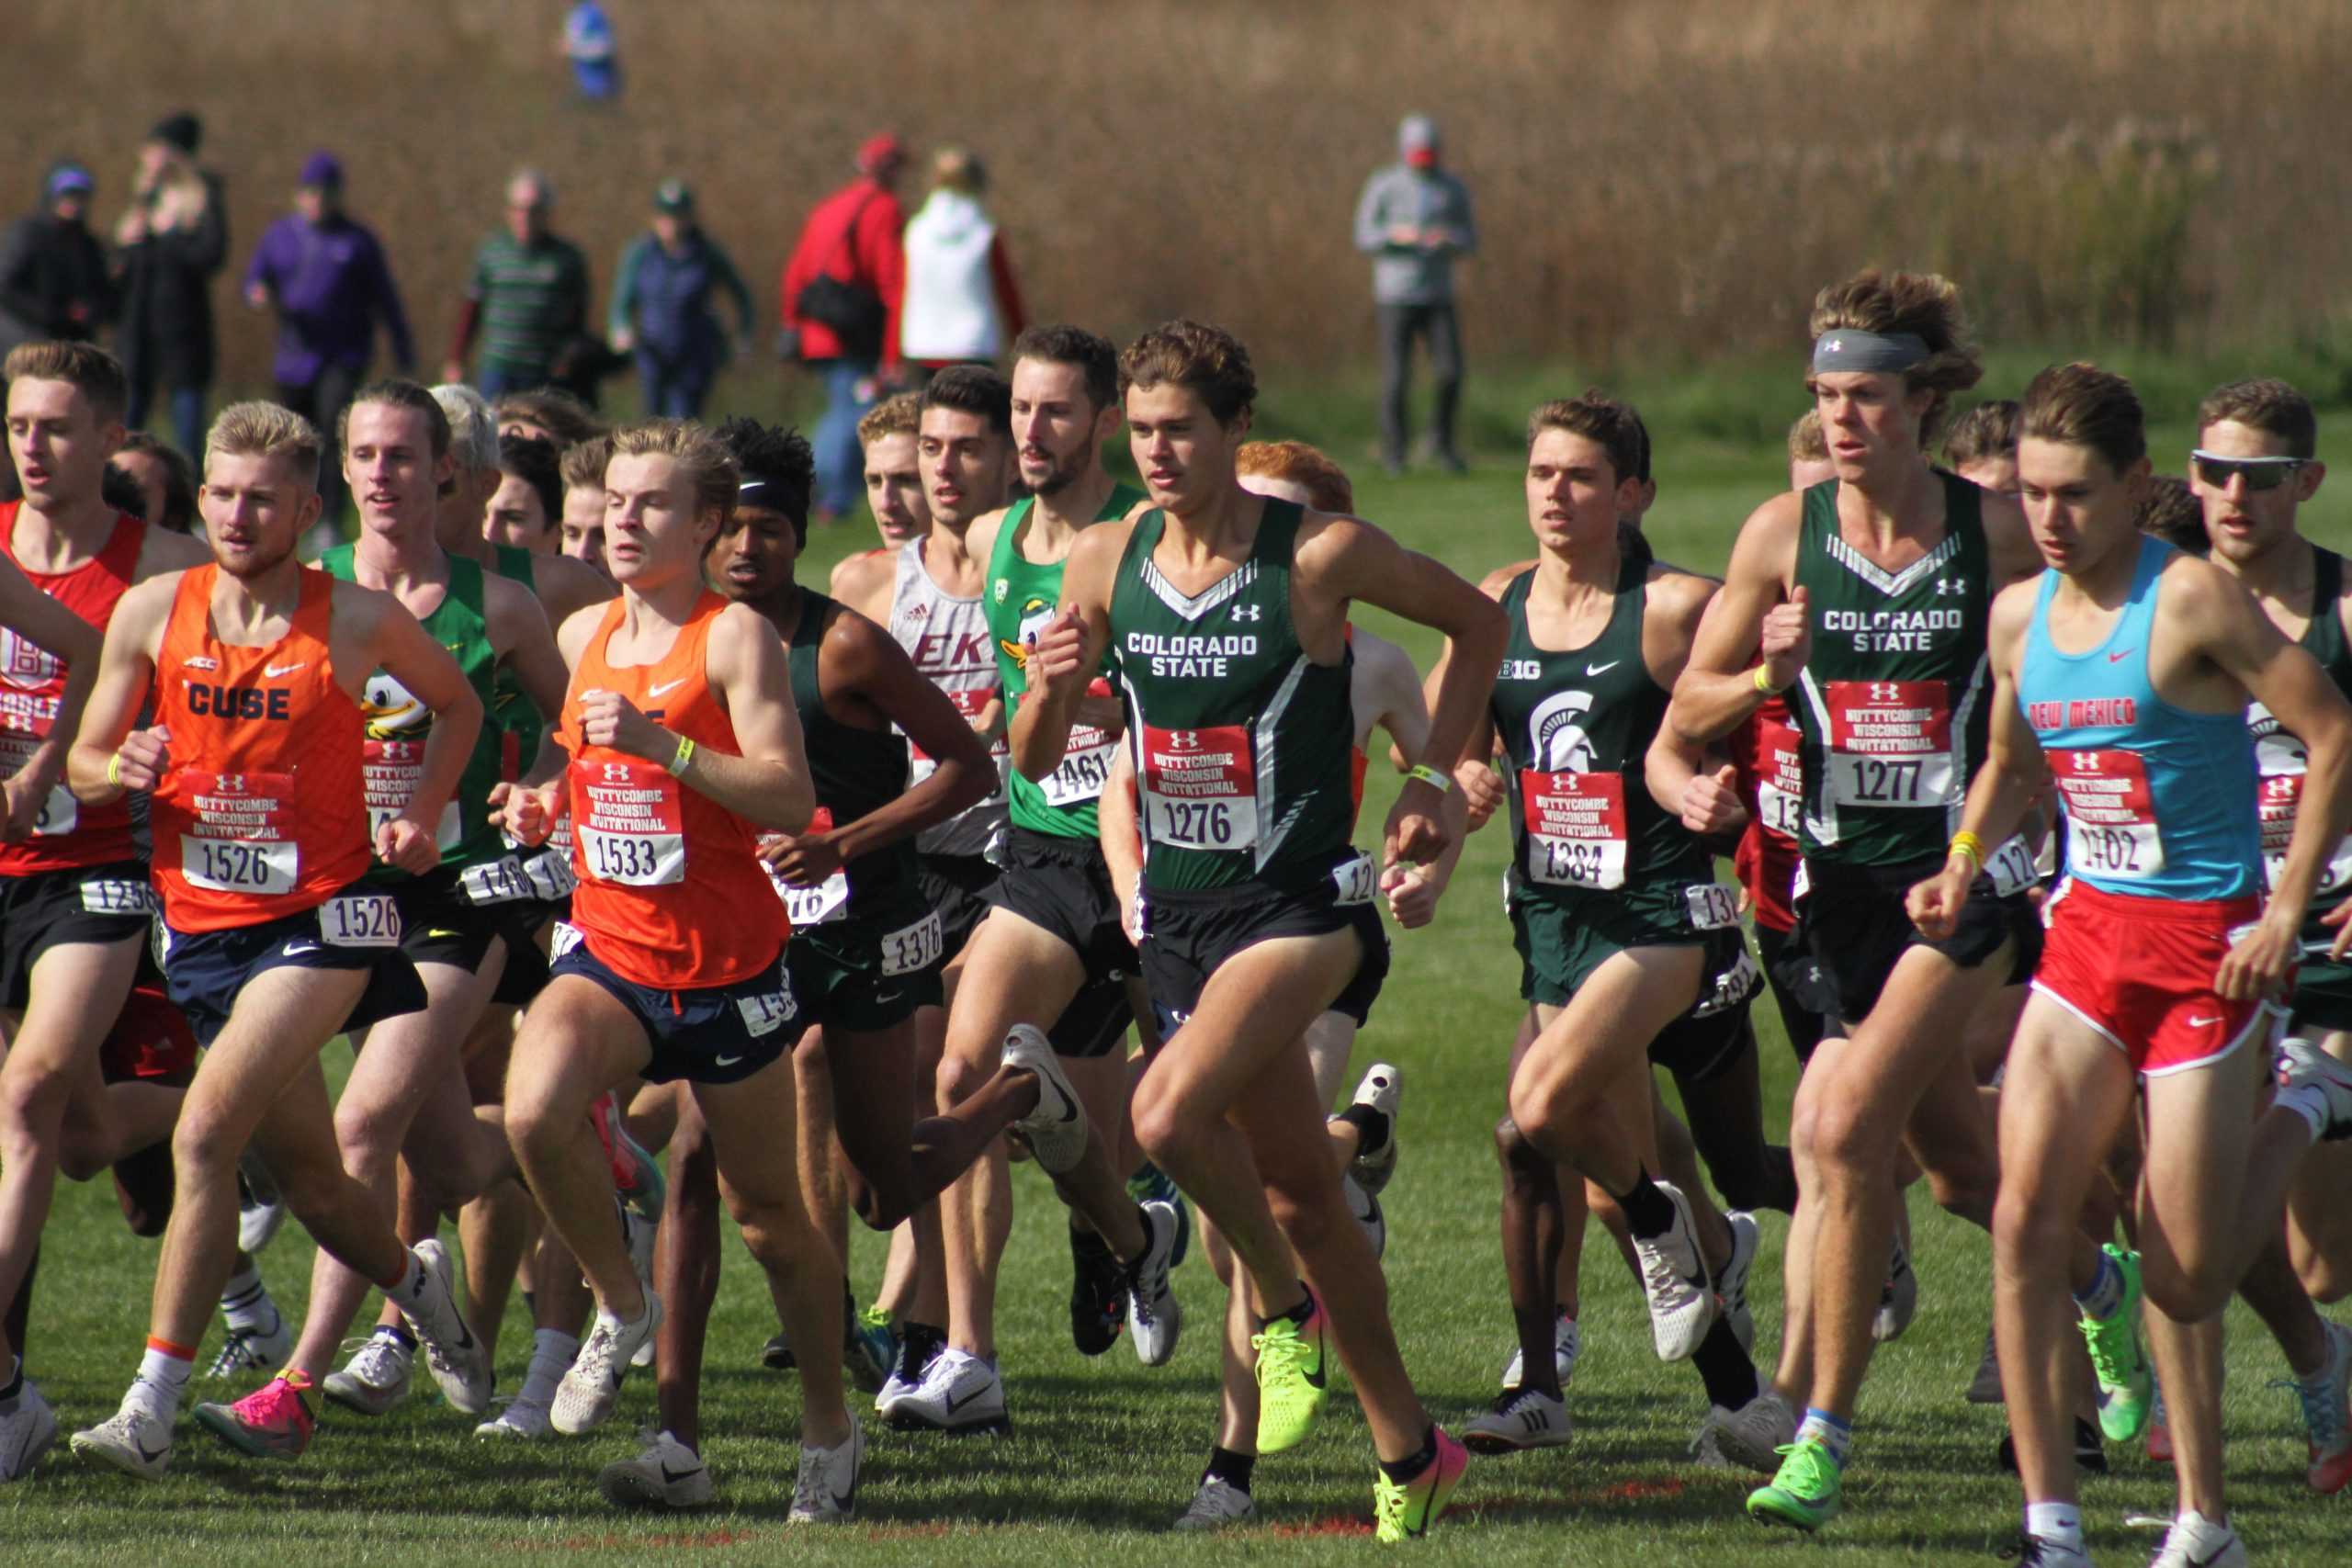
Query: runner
[[271, 941], [583, 522], [2122, 675], [890, 436], [1228, 613]]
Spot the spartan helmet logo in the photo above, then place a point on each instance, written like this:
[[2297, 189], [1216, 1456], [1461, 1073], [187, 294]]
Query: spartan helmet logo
[[391, 712], [1557, 729]]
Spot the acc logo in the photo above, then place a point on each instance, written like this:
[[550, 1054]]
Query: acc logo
[[1036, 615]]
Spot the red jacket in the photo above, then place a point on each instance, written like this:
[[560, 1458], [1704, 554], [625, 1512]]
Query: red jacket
[[873, 253]]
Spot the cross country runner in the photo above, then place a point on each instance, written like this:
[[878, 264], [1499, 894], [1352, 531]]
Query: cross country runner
[[271, 940], [1228, 613]]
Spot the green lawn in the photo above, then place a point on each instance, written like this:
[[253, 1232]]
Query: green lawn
[[1104, 1454]]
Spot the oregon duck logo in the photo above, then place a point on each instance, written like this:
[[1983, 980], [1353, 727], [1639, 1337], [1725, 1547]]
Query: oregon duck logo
[[1036, 613], [391, 712]]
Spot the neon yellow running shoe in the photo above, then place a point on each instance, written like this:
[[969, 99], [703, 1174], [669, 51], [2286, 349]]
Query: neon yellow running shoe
[[1806, 1494], [2127, 1387], [1406, 1510], [1292, 1379]]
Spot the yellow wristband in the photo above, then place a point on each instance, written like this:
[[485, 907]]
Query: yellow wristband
[[1764, 686], [114, 771], [1436, 778], [1969, 844], [685, 754]]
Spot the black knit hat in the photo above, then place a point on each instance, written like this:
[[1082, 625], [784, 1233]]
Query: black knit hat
[[182, 130]]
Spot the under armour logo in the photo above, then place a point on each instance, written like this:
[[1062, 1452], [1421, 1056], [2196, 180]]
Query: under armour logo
[[1884, 691], [1184, 740], [1248, 612], [1948, 586]]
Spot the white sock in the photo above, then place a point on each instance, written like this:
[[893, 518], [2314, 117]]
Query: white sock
[[245, 1304], [162, 1378], [552, 1355], [2060, 1524], [2201, 1530], [404, 1291]]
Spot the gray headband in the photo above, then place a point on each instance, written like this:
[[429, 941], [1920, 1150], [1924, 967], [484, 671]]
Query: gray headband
[[1850, 348]]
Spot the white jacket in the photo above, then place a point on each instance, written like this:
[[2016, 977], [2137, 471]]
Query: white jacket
[[950, 310]]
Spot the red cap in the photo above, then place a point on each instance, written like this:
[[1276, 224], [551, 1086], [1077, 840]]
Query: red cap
[[879, 151]]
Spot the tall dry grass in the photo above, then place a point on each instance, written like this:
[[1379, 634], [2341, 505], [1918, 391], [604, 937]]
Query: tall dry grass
[[1654, 180]]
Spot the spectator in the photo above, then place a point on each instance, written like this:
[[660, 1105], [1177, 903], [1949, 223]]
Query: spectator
[[594, 53], [326, 278], [524, 509], [549, 413], [165, 477], [53, 279], [961, 305], [170, 244], [527, 298], [663, 307], [840, 303], [1413, 219]]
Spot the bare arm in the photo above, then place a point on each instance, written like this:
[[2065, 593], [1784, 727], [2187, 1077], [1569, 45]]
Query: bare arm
[[519, 634], [769, 784], [1717, 691], [1120, 830], [126, 676]]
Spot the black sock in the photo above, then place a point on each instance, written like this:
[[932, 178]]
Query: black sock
[[1231, 1468], [1298, 1315], [1370, 1124], [1649, 1213], [1143, 1224], [1401, 1470], [393, 1331], [1729, 1375]]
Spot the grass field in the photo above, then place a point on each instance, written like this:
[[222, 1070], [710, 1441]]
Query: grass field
[[1103, 1453]]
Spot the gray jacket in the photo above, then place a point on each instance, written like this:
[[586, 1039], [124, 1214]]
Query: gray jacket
[[1425, 198]]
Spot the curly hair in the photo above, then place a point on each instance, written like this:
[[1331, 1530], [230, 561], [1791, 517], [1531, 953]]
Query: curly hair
[[1208, 361], [1924, 303], [779, 458]]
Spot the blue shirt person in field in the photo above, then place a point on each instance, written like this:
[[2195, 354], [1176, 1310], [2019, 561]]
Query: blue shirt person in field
[[1413, 219], [594, 53], [663, 307]]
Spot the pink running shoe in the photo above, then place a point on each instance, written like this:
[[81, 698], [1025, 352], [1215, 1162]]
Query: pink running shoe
[[272, 1422]]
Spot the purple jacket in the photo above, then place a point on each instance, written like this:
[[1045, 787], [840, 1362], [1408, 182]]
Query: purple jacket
[[330, 282]]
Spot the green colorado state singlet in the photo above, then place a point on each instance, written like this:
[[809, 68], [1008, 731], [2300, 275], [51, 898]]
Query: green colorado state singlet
[[856, 772], [398, 724], [1892, 705], [2280, 758], [1578, 725], [1242, 741], [1021, 597]]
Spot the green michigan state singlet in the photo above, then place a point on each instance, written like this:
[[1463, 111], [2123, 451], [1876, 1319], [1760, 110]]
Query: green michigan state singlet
[[1021, 597], [1892, 705], [1578, 725], [1242, 741], [399, 724], [856, 772]]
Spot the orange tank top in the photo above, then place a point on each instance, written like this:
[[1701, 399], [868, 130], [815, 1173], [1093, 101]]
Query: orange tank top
[[66, 833], [672, 892], [261, 815]]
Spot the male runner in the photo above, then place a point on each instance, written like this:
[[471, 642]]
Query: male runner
[[583, 522], [271, 943], [2122, 675], [73, 901], [889, 436], [1228, 613], [1866, 596]]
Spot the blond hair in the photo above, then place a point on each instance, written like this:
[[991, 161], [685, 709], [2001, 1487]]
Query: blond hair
[[583, 464], [697, 453], [1806, 443], [259, 429], [900, 414]]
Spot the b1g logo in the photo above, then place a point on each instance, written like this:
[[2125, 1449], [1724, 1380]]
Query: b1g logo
[[26, 664], [1557, 726]]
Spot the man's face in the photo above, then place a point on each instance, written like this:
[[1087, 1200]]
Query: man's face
[[517, 516], [963, 466], [583, 524], [526, 211], [313, 202], [255, 508], [1997, 473], [1181, 451], [754, 556], [389, 467], [2079, 508], [70, 207], [893, 489], [1574, 496], [1867, 417], [2244, 523], [653, 529], [670, 228], [147, 471], [60, 447], [1057, 432]]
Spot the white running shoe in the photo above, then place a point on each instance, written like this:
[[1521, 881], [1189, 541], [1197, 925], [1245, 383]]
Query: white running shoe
[[1567, 1349], [585, 1400], [1898, 1299], [1155, 1317], [454, 1355], [2306, 1070], [261, 1211], [1056, 1128], [961, 1396], [1367, 1211], [1732, 1283], [1985, 1388], [249, 1351], [375, 1379], [27, 1430], [667, 1474], [1674, 1278], [524, 1420], [1383, 1086], [134, 1440], [1749, 1437], [2195, 1541], [905, 1380], [1519, 1418], [825, 1491], [1219, 1504], [641, 1234]]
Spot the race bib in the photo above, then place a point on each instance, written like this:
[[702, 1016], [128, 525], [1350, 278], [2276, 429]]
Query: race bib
[[2111, 813], [502, 881], [562, 937], [1890, 744], [629, 823], [1780, 777], [552, 877], [910, 950], [969, 701], [1712, 906], [771, 1010], [825, 902], [389, 772], [1576, 828], [2012, 867], [2281, 759], [360, 919], [1200, 788], [243, 838], [60, 812], [1084, 767], [1355, 880]]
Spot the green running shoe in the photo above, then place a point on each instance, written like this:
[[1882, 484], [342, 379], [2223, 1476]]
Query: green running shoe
[[1406, 1511], [1806, 1495], [2127, 1387], [1292, 1379]]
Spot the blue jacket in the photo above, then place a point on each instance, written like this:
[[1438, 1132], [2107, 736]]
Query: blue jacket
[[666, 301]]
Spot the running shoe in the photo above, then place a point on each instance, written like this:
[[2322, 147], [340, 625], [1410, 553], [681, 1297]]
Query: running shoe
[[776, 1354], [27, 1430], [1985, 1388], [961, 1396], [825, 1491], [1520, 1418], [868, 1348], [585, 1400], [2036, 1552], [1406, 1510], [638, 1235], [1682, 1304], [1898, 1299], [272, 1422], [1098, 1294], [1568, 1348], [666, 1474], [1293, 1378], [1804, 1494], [637, 1175], [2090, 1451], [1056, 1126], [2302, 1066], [1381, 1087], [1155, 1317], [1732, 1283], [249, 1350], [2327, 1425], [1148, 1183], [261, 1211], [375, 1379], [2195, 1541], [1219, 1504], [1749, 1437], [134, 1440], [1367, 1213], [454, 1354], [916, 1353], [2126, 1385], [522, 1420]]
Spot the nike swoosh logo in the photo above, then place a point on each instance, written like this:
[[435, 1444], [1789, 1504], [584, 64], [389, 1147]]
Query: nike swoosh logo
[[672, 1477], [2204, 1023], [150, 1456], [846, 1501], [275, 670], [1602, 668], [667, 686], [954, 1404], [724, 1060], [2119, 658], [296, 949]]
